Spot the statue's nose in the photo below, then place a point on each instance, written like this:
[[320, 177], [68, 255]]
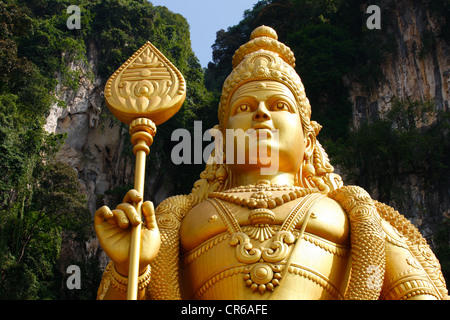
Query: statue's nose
[[261, 114]]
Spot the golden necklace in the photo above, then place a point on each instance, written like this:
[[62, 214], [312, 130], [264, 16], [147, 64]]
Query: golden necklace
[[260, 202], [262, 198]]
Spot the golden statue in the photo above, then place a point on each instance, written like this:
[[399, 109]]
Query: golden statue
[[292, 233]]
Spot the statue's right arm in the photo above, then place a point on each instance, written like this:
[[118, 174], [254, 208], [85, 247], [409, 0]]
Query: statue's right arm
[[113, 228]]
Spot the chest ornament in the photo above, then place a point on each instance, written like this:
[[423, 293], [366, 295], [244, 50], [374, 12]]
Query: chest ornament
[[263, 272]]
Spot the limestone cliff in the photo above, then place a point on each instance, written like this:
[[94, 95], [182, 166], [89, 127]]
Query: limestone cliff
[[94, 141], [93, 144], [416, 66]]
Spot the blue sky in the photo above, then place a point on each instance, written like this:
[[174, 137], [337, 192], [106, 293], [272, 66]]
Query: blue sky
[[206, 17]]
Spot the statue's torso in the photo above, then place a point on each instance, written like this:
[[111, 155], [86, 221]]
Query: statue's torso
[[234, 252]]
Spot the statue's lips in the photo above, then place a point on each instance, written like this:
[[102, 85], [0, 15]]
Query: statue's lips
[[262, 131]]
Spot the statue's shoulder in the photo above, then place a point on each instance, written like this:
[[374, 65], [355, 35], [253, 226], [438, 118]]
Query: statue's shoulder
[[172, 210], [348, 196]]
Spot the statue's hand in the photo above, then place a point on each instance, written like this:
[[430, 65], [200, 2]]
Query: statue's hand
[[113, 228]]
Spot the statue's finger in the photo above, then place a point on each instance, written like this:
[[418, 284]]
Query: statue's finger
[[102, 214], [131, 213], [132, 196], [121, 218], [148, 211]]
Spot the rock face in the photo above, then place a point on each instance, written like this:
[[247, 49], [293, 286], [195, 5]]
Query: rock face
[[417, 64], [94, 142]]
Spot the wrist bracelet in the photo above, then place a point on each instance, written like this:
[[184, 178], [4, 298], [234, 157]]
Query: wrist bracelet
[[120, 282]]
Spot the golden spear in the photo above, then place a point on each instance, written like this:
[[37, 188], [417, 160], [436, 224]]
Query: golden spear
[[144, 92]]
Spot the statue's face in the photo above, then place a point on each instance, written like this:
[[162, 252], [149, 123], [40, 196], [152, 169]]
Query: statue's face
[[269, 109]]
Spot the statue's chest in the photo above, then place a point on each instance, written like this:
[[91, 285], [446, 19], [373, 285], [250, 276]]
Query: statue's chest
[[246, 212], [228, 244]]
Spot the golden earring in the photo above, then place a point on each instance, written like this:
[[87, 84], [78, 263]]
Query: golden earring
[[308, 170], [221, 173]]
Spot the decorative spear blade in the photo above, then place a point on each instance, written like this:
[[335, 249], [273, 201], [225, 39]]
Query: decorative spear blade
[[147, 85]]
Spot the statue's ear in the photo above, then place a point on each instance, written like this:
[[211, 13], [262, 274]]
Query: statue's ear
[[310, 140]]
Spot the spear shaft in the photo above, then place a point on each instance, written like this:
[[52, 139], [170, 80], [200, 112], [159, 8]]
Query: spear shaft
[[142, 131]]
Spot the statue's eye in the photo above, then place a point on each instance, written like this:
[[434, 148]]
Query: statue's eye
[[243, 108], [281, 106]]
